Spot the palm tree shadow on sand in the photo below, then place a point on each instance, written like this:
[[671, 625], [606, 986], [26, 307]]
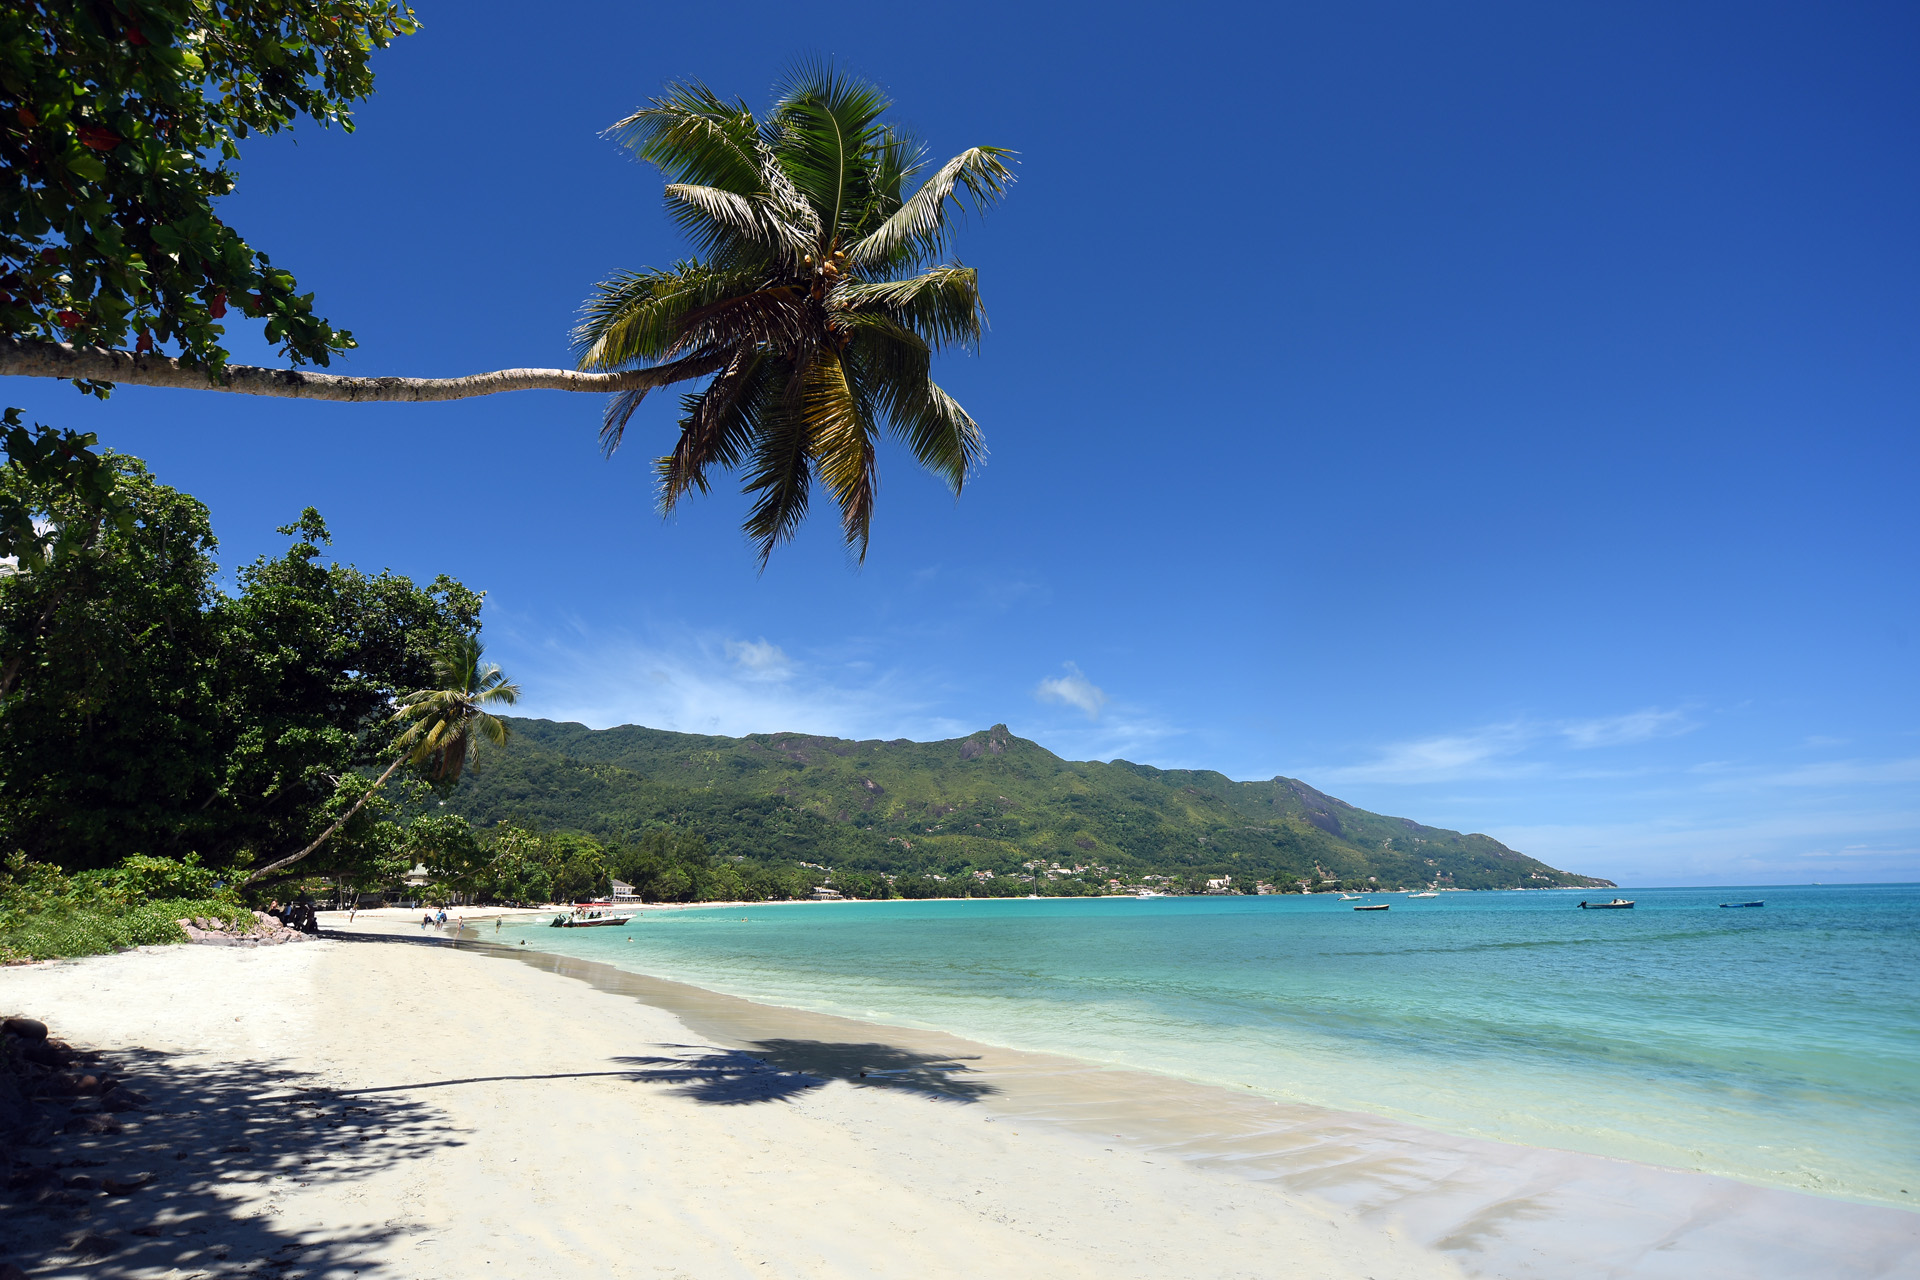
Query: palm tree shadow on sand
[[776, 1070], [149, 1191]]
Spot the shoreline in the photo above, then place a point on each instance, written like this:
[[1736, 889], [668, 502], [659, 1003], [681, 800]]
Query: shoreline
[[1587, 1212], [1094, 1170]]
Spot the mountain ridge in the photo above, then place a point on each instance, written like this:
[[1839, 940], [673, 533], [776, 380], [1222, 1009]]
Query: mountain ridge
[[987, 802]]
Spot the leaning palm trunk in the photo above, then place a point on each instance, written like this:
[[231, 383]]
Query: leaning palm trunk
[[22, 357], [324, 836], [441, 725]]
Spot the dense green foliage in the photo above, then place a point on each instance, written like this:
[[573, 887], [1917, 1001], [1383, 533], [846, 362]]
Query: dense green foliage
[[816, 304], [145, 711], [44, 914], [958, 809], [118, 121]]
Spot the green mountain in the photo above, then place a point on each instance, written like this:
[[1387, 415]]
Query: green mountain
[[989, 802]]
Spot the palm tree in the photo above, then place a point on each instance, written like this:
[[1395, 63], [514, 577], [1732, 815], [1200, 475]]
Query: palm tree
[[816, 303], [442, 726]]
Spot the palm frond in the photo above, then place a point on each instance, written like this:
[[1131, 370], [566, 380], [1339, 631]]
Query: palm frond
[[716, 428], [942, 305], [780, 473], [840, 432], [943, 437], [740, 228], [693, 136], [637, 316], [621, 407], [824, 129], [919, 230]]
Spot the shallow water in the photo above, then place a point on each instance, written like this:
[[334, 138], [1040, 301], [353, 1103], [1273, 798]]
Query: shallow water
[[1778, 1045]]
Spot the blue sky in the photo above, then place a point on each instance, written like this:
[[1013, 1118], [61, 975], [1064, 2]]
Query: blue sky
[[1500, 415]]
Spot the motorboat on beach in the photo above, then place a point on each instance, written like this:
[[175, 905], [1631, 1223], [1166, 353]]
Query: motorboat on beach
[[1743, 904], [591, 915], [1618, 904]]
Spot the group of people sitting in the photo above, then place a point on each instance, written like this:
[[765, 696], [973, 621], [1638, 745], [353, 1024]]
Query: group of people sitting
[[296, 915]]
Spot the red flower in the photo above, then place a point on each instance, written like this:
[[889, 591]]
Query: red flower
[[27, 117], [145, 343], [50, 256], [69, 319], [218, 306]]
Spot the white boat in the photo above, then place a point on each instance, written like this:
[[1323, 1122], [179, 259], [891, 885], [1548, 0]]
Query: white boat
[[1352, 897], [1148, 893], [591, 915], [1423, 895]]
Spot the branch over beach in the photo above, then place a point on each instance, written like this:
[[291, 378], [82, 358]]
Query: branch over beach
[[22, 357]]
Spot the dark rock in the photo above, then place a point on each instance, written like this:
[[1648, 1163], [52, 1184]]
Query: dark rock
[[79, 1182], [47, 1053], [33, 1175], [124, 1100], [25, 1028], [95, 1246], [90, 1125], [125, 1186]]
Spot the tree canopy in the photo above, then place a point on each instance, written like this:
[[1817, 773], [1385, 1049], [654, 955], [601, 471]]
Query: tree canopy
[[119, 123], [147, 711], [816, 304]]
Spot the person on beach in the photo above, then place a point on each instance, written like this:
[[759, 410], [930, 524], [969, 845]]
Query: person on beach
[[426, 921]]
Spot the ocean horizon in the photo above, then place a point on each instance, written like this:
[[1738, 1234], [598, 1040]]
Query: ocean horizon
[[1775, 1045]]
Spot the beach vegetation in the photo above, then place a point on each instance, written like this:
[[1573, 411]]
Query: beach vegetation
[[47, 914], [149, 708]]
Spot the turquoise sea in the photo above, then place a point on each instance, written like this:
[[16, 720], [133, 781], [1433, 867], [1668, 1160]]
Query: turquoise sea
[[1779, 1045]]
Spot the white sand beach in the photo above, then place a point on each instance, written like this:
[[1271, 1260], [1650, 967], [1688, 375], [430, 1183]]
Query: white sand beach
[[392, 1105]]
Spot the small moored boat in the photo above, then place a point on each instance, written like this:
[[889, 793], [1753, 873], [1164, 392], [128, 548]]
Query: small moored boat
[[1618, 904], [1428, 894], [1375, 906], [1743, 904], [591, 915]]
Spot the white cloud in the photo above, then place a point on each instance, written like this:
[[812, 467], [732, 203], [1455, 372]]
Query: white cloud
[[1635, 726], [1496, 750], [1481, 753], [695, 683], [760, 659], [1075, 690]]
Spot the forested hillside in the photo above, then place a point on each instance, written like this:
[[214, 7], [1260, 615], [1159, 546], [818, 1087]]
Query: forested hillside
[[959, 809]]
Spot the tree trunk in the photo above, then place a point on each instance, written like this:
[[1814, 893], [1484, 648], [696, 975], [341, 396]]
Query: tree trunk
[[339, 822], [20, 357]]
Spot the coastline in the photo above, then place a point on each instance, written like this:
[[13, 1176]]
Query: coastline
[[1042, 1165]]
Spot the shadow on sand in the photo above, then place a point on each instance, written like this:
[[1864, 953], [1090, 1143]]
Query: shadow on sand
[[153, 1191], [773, 1071]]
